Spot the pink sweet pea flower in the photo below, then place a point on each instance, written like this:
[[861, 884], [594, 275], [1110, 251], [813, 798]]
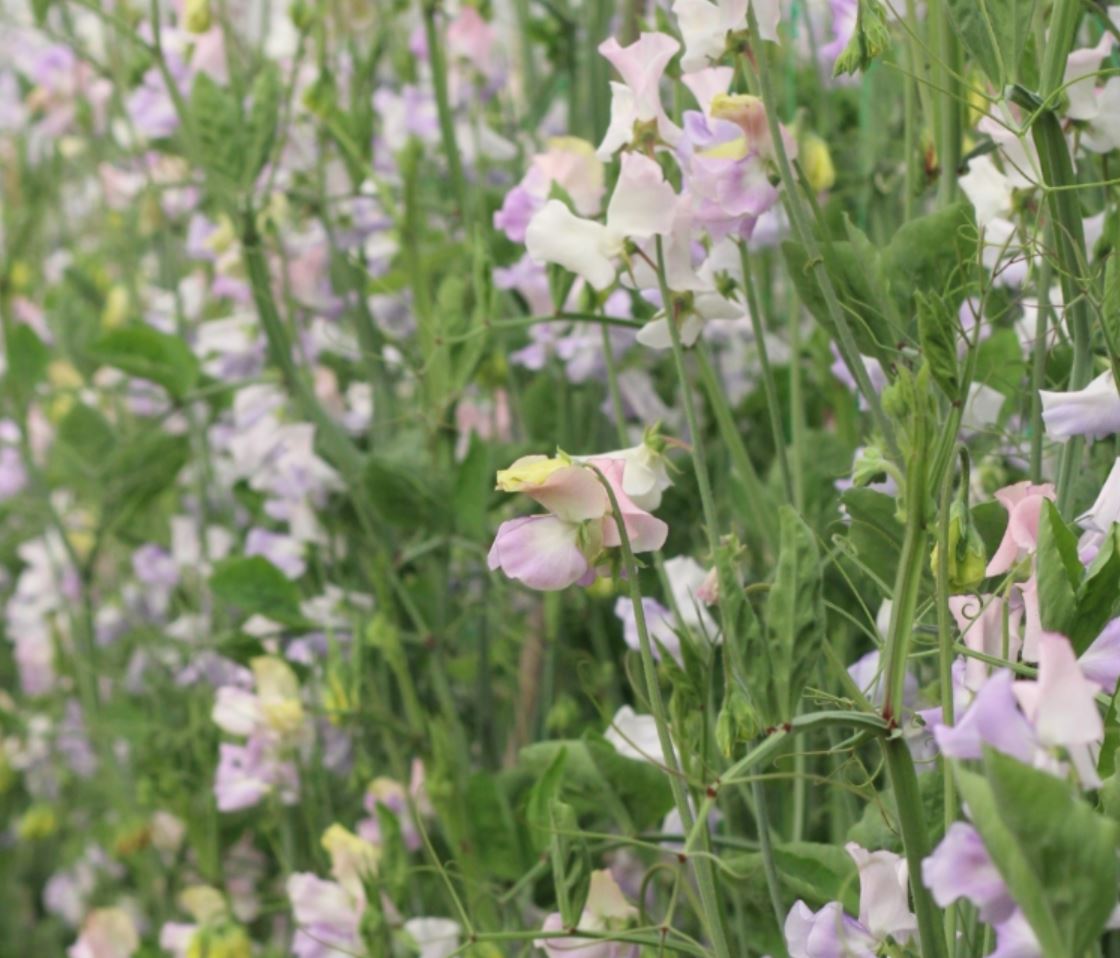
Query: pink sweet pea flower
[[1023, 502], [1062, 702], [551, 552], [638, 98], [960, 867]]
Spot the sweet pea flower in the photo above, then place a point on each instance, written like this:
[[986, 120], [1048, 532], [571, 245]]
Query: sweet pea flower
[[607, 909], [883, 908], [641, 206], [1023, 502], [634, 736], [828, 933], [704, 26], [328, 917], [992, 719], [1100, 663], [106, 933], [571, 164], [553, 551], [960, 867], [980, 621], [1105, 510], [1061, 703], [638, 98], [1093, 412], [435, 937]]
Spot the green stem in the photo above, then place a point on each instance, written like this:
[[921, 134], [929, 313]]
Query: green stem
[[701, 865], [909, 576], [1038, 360], [945, 659], [767, 518], [443, 109], [770, 387], [915, 839], [1069, 239], [950, 102], [766, 847]]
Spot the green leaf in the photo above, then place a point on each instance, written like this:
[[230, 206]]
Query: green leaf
[[217, 127], [1056, 854], [874, 532], [403, 493], [1099, 594], [937, 334], [598, 780], [854, 283], [795, 614], [83, 445], [254, 585], [27, 359], [813, 872], [496, 840], [1000, 363], [1059, 571], [146, 353], [473, 487], [932, 254], [995, 33], [541, 796], [261, 122]]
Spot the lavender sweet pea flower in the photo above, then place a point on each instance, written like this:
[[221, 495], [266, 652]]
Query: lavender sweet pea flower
[[828, 933], [960, 867], [993, 719], [1100, 662]]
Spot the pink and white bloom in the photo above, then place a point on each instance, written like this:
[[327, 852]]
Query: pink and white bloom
[[435, 937], [556, 550], [606, 909], [641, 206], [106, 933], [638, 98]]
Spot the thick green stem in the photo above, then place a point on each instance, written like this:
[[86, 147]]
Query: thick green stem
[[909, 577], [950, 101], [945, 659], [1069, 242], [915, 839], [1038, 361]]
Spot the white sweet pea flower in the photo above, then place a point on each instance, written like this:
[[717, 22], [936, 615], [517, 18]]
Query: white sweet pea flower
[[638, 98], [641, 206], [704, 26]]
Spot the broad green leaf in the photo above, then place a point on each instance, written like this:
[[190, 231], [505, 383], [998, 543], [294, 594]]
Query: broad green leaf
[[1059, 571], [859, 300], [1099, 594], [83, 445], [1000, 363], [473, 487], [995, 32], [1057, 855], [27, 358], [217, 128], [597, 780], [147, 353], [255, 585], [497, 843], [932, 254], [795, 615], [937, 334], [874, 531], [403, 493], [813, 872]]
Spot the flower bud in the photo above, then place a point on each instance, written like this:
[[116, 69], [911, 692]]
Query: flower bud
[[967, 556], [196, 16]]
